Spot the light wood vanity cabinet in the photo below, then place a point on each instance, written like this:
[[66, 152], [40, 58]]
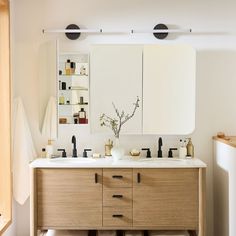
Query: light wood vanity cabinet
[[69, 198], [166, 198], [119, 198]]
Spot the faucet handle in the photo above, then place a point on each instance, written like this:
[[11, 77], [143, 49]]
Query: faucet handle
[[170, 153], [148, 152], [63, 152], [85, 152]]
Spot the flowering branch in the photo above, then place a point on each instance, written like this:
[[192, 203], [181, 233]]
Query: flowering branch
[[116, 124]]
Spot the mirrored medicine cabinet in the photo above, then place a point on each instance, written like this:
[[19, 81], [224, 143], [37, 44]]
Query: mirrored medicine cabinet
[[86, 84]]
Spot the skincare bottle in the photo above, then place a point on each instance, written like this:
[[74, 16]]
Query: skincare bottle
[[72, 68], [190, 149], [43, 153], [108, 147], [67, 67], [182, 149], [81, 100], [49, 149], [82, 116], [82, 70], [61, 100], [60, 85], [82, 113]]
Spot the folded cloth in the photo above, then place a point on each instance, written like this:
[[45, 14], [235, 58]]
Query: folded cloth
[[106, 233], [23, 152], [134, 233], [167, 233], [49, 128]]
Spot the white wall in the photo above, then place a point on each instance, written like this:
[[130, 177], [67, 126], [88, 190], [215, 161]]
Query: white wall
[[216, 64]]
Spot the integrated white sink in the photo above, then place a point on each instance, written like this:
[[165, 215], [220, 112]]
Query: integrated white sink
[[72, 160], [160, 159]]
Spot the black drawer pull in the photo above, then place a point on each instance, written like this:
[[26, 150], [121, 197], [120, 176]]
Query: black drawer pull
[[96, 178], [117, 176], [138, 178], [117, 196], [117, 216]]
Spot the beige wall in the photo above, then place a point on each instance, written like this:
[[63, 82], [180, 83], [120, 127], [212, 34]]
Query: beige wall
[[216, 64]]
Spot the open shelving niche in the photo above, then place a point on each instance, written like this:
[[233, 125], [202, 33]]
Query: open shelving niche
[[79, 84]]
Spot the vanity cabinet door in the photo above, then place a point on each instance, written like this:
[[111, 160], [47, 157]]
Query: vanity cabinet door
[[69, 198], [165, 198]]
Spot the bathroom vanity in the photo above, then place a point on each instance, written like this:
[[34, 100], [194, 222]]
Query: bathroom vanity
[[84, 193]]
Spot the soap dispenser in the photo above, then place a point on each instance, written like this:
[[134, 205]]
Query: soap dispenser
[[190, 149], [49, 149]]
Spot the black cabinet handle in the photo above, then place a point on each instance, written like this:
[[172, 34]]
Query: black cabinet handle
[[117, 176], [96, 178], [117, 196], [138, 178], [117, 216]]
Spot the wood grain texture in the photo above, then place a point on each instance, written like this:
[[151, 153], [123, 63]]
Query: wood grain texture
[[110, 182], [125, 201], [124, 221], [69, 197], [33, 202], [166, 198], [5, 117], [202, 202]]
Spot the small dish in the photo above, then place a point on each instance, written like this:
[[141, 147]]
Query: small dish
[[134, 154]]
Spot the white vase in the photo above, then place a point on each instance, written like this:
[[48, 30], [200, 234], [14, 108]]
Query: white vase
[[117, 151]]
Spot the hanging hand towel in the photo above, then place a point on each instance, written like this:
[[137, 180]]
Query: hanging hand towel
[[23, 153], [49, 129]]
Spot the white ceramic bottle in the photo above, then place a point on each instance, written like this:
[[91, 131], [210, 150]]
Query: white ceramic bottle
[[182, 149]]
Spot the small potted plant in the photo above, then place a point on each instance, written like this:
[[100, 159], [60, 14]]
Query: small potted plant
[[115, 124]]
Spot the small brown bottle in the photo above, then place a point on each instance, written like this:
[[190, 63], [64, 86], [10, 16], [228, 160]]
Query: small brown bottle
[[190, 149]]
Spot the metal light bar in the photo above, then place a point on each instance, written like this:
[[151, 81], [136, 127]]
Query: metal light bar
[[164, 31], [72, 30], [91, 31]]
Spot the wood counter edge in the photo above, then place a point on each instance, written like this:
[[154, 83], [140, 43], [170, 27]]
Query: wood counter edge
[[229, 140]]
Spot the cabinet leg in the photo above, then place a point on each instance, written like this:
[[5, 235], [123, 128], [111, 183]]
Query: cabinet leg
[[92, 233], [145, 233], [192, 233], [120, 233]]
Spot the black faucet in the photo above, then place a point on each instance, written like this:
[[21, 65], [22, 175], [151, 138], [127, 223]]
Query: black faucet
[[74, 151], [159, 152], [170, 153], [149, 155], [85, 152]]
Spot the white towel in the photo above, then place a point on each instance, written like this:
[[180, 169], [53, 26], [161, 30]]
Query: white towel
[[23, 153], [49, 129]]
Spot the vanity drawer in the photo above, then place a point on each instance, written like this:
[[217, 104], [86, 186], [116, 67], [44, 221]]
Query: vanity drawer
[[115, 178], [117, 197], [114, 216]]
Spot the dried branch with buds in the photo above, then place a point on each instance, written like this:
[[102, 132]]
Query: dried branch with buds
[[115, 124]]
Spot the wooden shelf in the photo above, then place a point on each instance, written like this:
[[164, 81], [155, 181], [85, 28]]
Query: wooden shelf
[[77, 75]]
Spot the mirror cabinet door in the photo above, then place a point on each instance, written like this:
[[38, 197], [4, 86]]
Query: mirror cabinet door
[[47, 86], [116, 76], [168, 89]]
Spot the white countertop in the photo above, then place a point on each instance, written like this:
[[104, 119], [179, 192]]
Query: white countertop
[[127, 162]]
